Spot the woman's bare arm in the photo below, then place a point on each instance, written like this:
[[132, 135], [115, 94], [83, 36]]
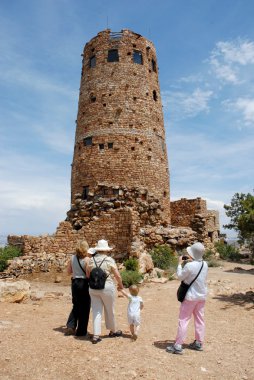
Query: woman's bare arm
[[118, 278]]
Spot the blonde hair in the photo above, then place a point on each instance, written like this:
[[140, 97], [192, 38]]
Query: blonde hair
[[82, 248], [134, 289]]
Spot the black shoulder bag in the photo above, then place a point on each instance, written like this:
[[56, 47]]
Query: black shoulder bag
[[183, 288]]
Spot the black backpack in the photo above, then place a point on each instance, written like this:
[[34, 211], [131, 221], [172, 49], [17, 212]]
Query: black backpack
[[97, 277]]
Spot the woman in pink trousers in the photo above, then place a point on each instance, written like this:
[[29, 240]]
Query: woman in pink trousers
[[194, 302]]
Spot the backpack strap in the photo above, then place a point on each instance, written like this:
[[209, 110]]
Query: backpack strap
[[98, 266], [81, 266], [197, 274]]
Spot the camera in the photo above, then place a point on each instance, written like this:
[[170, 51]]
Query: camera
[[185, 258]]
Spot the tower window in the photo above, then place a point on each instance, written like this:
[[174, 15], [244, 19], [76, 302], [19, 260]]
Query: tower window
[[154, 66], [92, 61], [137, 57], [93, 98], [155, 97], [113, 55], [85, 192], [88, 141], [110, 145], [101, 146]]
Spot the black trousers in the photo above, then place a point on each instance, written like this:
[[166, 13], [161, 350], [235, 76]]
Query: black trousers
[[79, 316]]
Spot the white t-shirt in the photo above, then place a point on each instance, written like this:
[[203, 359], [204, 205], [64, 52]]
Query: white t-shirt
[[134, 304], [198, 290]]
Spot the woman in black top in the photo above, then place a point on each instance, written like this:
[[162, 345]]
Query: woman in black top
[[79, 316]]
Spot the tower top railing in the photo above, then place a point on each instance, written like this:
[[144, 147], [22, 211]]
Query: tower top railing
[[115, 35]]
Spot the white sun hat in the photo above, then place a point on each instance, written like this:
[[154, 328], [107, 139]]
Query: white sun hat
[[102, 245], [196, 251], [91, 251]]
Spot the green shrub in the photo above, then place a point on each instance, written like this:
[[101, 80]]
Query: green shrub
[[130, 277], [158, 274], [212, 263], [7, 253], [131, 264], [208, 254], [163, 257], [228, 252], [170, 273], [210, 259]]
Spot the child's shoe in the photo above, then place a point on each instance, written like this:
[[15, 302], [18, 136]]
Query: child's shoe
[[196, 346], [134, 336], [175, 349]]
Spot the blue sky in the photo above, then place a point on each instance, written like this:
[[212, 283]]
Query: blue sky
[[205, 51]]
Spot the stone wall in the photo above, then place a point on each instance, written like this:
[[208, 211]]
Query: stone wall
[[183, 211], [193, 213]]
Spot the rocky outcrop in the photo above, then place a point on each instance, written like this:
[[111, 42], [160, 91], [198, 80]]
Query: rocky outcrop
[[14, 291]]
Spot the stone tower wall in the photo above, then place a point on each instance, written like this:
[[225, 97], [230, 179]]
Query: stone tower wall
[[183, 211], [120, 109]]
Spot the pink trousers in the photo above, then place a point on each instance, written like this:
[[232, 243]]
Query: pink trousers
[[197, 308]]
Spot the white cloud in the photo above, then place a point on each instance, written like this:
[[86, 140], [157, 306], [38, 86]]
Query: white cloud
[[227, 58], [185, 105], [247, 108], [238, 51], [224, 72], [191, 79], [34, 194]]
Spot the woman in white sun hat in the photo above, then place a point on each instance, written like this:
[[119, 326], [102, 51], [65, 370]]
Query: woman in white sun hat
[[103, 298], [194, 301]]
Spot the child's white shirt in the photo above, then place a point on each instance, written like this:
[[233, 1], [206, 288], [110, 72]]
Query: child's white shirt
[[134, 304]]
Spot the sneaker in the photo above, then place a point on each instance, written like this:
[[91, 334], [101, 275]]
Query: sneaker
[[69, 331], [174, 350], [196, 346], [134, 337]]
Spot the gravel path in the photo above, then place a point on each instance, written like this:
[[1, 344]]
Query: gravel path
[[34, 346]]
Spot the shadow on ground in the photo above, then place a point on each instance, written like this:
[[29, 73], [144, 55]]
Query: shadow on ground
[[163, 344], [237, 299], [240, 270]]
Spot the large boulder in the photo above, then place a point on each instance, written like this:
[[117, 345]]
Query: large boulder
[[14, 291], [145, 263]]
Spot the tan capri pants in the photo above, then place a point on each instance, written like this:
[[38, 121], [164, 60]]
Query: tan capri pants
[[103, 299]]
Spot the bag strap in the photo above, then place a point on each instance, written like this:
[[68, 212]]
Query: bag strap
[[98, 266], [80, 265], [197, 274]]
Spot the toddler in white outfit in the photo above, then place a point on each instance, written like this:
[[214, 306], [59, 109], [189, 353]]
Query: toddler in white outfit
[[133, 312]]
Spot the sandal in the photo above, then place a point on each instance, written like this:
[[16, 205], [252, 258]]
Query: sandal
[[96, 339], [115, 334]]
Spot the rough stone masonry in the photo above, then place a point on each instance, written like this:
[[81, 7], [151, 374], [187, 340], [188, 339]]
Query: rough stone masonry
[[120, 176]]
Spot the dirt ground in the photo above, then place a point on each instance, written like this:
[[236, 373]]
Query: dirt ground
[[33, 344]]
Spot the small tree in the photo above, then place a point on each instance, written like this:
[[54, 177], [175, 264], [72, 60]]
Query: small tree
[[241, 214]]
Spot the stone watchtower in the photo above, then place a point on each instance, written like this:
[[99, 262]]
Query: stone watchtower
[[120, 173], [120, 177]]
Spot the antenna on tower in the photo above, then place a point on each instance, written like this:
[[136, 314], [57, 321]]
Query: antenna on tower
[[107, 22], [149, 33]]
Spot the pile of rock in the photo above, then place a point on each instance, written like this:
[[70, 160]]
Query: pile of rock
[[105, 198], [28, 264], [176, 238], [14, 291]]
